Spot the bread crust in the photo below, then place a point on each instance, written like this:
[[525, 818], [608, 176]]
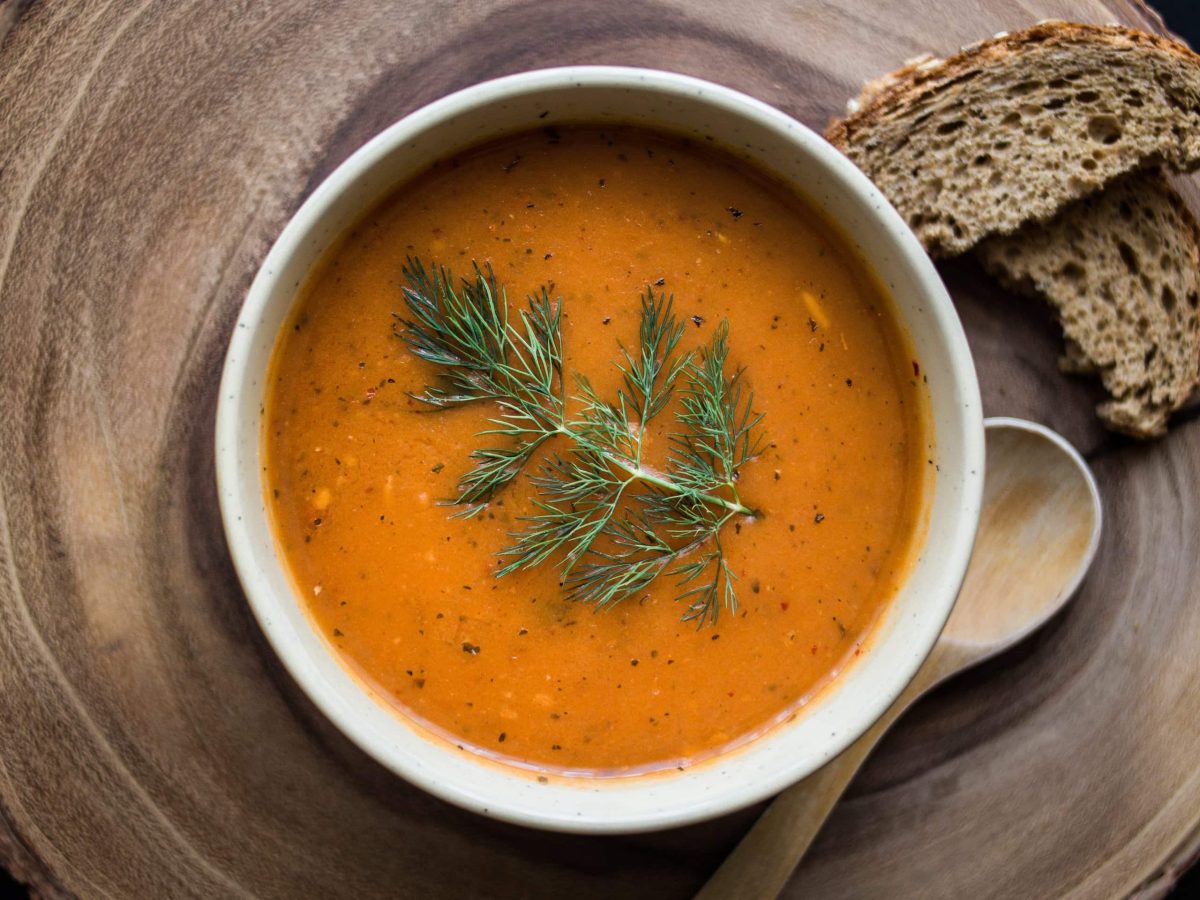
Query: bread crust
[[925, 75]]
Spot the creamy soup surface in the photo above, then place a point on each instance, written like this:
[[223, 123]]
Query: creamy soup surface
[[508, 667]]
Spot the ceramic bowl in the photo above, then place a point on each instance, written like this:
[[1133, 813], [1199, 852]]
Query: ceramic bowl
[[901, 640]]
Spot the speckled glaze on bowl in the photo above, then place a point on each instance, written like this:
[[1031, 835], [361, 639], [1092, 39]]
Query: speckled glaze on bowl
[[835, 716]]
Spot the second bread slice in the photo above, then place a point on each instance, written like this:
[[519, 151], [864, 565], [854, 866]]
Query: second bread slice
[[1122, 268]]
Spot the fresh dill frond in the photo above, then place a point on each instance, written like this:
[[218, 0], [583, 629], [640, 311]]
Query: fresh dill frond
[[482, 356], [611, 522]]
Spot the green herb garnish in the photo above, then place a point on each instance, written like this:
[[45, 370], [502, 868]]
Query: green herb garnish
[[612, 522]]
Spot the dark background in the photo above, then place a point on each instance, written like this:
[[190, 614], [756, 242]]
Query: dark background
[[1182, 17]]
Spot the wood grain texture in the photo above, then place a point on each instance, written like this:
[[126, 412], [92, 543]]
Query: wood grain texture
[[150, 743]]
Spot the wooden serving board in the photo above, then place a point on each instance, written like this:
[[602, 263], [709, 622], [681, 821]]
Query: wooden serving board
[[150, 743]]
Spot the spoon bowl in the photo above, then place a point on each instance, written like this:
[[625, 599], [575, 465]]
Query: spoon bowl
[[1038, 534]]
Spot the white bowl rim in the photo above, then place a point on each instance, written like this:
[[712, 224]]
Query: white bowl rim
[[230, 475]]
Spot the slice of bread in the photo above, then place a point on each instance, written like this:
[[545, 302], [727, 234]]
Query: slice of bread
[[1014, 128], [1122, 268]]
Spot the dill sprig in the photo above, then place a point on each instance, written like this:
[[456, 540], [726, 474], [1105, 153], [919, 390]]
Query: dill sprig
[[612, 522]]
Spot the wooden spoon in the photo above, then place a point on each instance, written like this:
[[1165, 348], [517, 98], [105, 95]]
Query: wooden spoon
[[1038, 533]]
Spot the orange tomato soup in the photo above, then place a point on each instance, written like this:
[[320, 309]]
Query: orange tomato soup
[[507, 667]]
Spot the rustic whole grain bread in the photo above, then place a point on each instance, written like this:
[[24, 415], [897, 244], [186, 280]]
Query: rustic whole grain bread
[[1122, 268], [1014, 128]]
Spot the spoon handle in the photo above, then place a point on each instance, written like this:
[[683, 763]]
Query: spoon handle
[[761, 864]]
